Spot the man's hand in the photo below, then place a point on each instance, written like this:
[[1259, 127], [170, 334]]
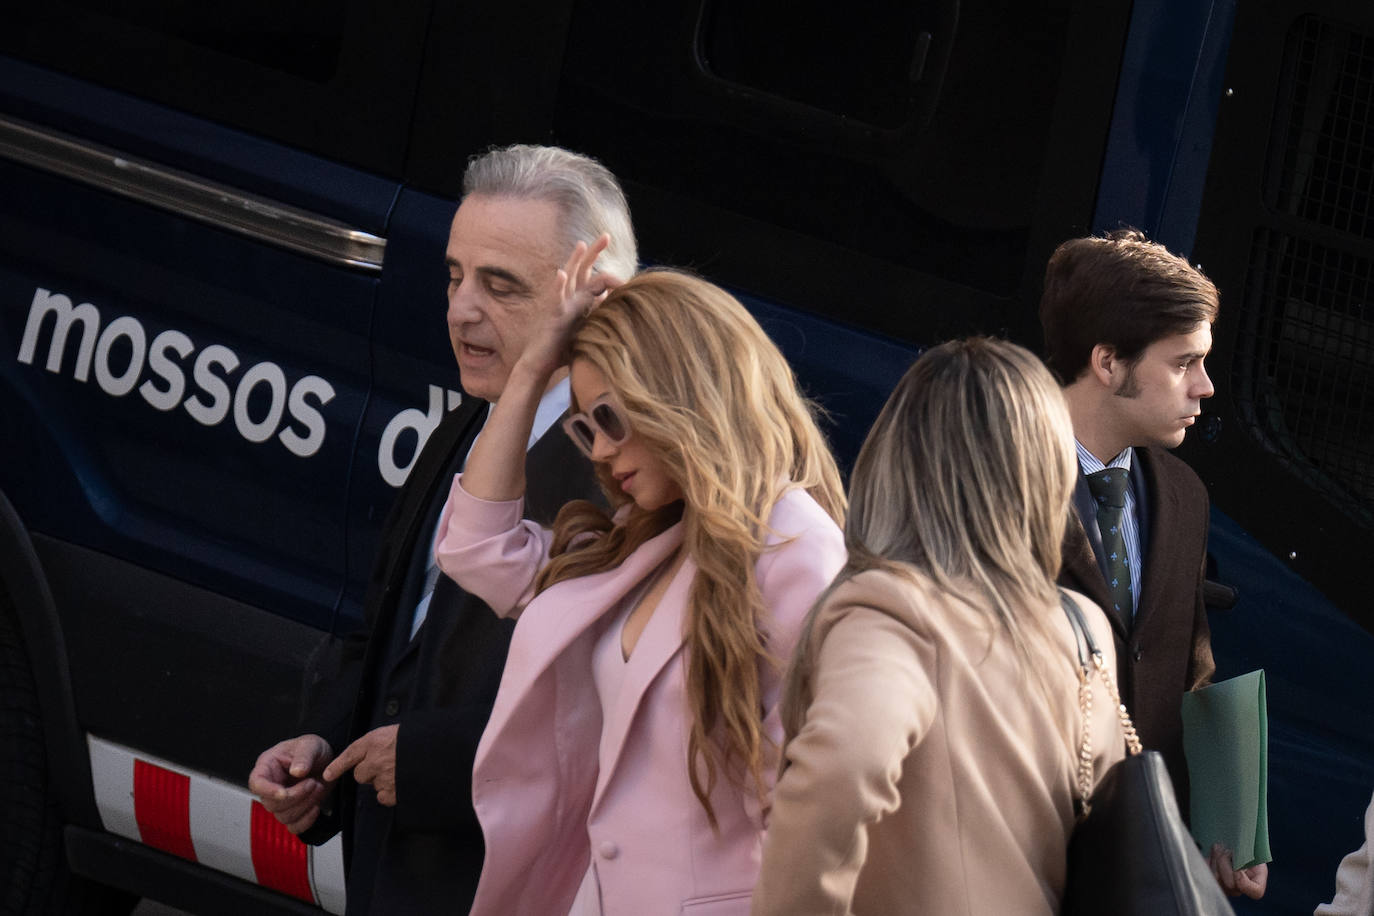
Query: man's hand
[[287, 778], [1250, 881], [372, 758]]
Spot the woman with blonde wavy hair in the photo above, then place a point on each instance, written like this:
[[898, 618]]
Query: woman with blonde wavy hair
[[932, 709], [627, 763]]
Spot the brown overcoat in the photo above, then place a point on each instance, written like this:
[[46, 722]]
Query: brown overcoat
[[1167, 649]]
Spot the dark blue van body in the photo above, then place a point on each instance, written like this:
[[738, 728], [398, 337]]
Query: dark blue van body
[[222, 342]]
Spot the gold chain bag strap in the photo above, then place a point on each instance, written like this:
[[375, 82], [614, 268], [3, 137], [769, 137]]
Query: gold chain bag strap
[[1088, 652], [1130, 853]]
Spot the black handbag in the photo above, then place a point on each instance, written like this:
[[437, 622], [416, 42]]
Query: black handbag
[[1130, 852]]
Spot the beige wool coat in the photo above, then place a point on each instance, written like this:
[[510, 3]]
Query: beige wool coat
[[1355, 877], [923, 770]]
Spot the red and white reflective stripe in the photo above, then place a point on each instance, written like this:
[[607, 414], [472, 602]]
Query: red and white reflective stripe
[[211, 822]]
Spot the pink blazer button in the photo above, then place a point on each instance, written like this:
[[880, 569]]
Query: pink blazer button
[[608, 849]]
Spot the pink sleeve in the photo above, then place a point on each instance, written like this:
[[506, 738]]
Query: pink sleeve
[[802, 558], [490, 549]]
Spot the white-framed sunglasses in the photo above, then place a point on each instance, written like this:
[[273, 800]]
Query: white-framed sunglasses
[[602, 416]]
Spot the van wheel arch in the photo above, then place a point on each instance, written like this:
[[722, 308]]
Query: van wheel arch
[[24, 585], [45, 779]]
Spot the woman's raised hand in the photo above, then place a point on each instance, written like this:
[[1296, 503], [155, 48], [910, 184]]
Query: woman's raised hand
[[495, 467], [580, 289]]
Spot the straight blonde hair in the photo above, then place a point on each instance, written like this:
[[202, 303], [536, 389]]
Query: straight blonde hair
[[966, 478], [713, 398]]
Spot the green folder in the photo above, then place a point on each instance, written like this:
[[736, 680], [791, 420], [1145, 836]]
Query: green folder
[[1226, 741]]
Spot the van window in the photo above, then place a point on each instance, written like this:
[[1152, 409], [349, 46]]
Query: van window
[[302, 38], [334, 78], [869, 68], [953, 195], [843, 132]]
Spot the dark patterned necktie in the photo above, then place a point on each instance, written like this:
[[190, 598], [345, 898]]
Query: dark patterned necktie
[[1109, 491]]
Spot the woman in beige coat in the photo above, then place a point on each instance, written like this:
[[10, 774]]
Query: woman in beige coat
[[1355, 877], [932, 709]]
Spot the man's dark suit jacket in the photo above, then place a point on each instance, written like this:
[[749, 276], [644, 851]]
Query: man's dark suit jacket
[[1167, 649], [425, 854]]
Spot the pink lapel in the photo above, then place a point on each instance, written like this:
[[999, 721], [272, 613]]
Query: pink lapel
[[557, 617], [657, 646]]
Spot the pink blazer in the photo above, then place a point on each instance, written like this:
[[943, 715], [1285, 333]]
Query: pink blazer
[[550, 793]]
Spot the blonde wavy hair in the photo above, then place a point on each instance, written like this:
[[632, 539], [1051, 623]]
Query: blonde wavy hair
[[966, 476], [714, 400]]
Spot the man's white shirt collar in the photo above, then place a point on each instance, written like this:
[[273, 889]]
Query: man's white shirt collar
[[552, 405]]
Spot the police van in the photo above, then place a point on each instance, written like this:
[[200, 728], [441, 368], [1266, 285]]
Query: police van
[[221, 335]]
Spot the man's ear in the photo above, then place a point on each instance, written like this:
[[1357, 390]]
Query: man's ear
[[1105, 365]]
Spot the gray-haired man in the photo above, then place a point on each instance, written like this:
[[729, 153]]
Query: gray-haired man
[[400, 707]]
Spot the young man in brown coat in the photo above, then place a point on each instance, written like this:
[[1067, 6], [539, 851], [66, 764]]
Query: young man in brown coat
[[1127, 327]]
